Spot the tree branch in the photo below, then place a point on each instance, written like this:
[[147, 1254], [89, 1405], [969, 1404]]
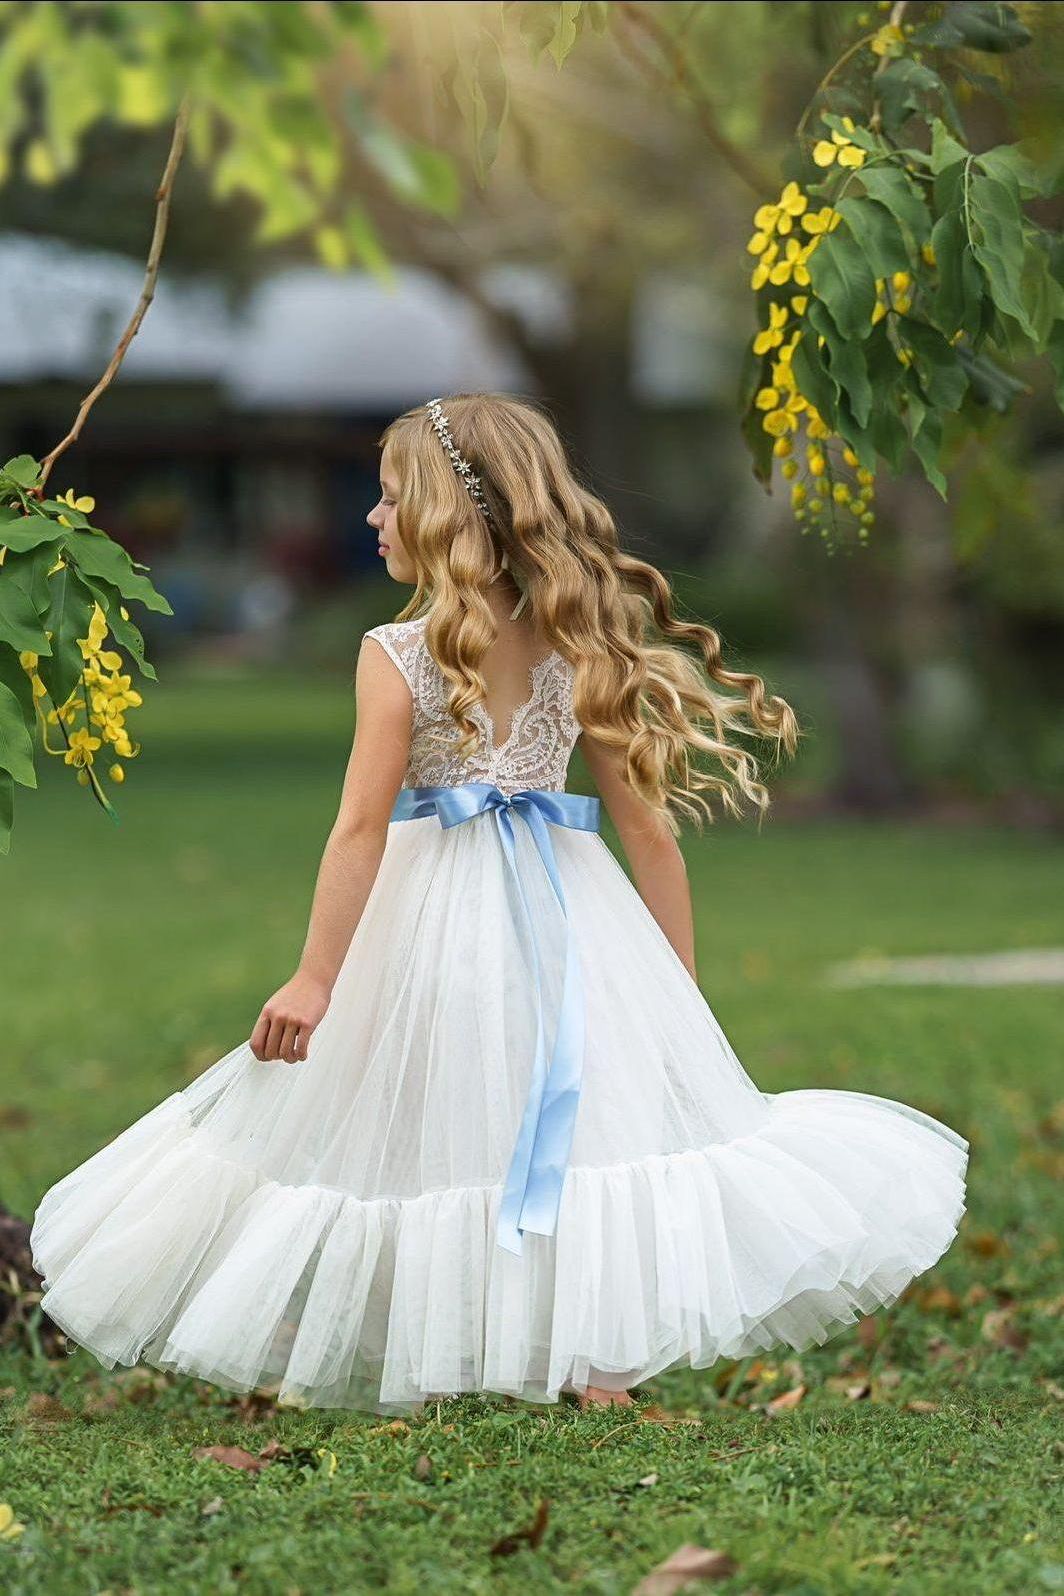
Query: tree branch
[[147, 294], [682, 77]]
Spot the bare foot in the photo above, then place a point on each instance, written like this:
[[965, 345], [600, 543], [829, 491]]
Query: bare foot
[[597, 1397]]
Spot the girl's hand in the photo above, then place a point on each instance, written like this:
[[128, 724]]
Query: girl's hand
[[289, 1018]]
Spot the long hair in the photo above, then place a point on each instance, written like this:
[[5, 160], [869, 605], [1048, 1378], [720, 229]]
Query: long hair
[[638, 687]]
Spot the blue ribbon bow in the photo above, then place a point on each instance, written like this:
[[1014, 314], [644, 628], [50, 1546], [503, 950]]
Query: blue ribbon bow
[[533, 1187]]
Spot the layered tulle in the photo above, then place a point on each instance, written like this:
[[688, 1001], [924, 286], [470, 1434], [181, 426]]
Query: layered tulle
[[328, 1228]]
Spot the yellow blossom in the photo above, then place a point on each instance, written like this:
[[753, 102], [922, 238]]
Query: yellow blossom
[[766, 399], [778, 422], [841, 493], [798, 493], [825, 220], [86, 504], [782, 447], [849, 456], [865, 478], [928, 253], [879, 310], [789, 468], [82, 746], [818, 429], [817, 463], [766, 217], [772, 335], [900, 281], [798, 304], [116, 773], [839, 148], [889, 40]]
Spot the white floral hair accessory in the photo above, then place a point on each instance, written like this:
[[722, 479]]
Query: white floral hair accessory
[[440, 425], [463, 469]]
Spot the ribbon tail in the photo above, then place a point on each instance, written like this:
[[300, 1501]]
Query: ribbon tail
[[508, 1230], [556, 1122]]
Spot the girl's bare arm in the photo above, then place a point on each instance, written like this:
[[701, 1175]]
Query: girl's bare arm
[[658, 868], [350, 860]]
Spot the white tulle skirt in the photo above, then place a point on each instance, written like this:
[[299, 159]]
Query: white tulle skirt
[[327, 1228]]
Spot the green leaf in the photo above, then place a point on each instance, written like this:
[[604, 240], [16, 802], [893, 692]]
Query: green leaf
[[98, 555], [942, 375], [22, 532], [20, 625], [67, 619], [16, 742], [983, 26], [565, 32], [125, 634], [998, 244], [7, 810], [945, 149], [23, 469], [903, 86], [888, 184], [959, 299], [878, 234], [1032, 178], [846, 363], [843, 279], [814, 381], [926, 437], [889, 436], [988, 384], [1055, 350]]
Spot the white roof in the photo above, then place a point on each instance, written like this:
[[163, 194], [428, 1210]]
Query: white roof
[[308, 338], [305, 337]]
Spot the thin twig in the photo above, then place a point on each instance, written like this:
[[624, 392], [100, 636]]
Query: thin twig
[[683, 78], [147, 294]]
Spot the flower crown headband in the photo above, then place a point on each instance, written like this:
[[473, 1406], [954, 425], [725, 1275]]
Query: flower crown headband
[[463, 469]]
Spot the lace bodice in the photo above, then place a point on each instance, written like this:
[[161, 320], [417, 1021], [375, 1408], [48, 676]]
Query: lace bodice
[[542, 733]]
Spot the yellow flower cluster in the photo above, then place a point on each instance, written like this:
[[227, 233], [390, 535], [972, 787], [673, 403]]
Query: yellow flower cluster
[[782, 258], [110, 694], [839, 148]]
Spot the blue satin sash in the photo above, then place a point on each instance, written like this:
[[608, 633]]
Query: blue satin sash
[[532, 1190]]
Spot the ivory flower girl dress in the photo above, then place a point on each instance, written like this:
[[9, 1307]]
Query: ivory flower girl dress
[[520, 1156]]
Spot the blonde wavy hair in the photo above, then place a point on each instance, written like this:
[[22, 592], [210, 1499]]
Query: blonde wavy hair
[[637, 688]]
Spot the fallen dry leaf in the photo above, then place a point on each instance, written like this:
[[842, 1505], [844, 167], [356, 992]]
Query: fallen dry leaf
[[656, 1415], [531, 1536], [921, 1405], [939, 1299], [858, 1391], [215, 1505], [682, 1567], [1000, 1328], [789, 1399], [986, 1243], [648, 1480], [234, 1457], [423, 1467]]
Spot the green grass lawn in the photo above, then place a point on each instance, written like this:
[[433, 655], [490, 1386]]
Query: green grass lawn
[[925, 1454]]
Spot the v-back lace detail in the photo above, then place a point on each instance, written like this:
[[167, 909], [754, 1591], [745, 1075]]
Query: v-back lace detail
[[542, 733]]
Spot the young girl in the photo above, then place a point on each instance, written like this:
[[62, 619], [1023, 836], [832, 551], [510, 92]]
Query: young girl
[[490, 1137]]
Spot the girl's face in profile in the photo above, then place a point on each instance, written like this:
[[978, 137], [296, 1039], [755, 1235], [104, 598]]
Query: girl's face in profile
[[399, 565]]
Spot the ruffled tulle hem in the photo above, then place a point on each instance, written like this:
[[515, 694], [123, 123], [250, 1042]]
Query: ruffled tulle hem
[[165, 1249]]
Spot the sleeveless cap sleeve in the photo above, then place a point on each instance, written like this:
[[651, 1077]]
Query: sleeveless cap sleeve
[[399, 645]]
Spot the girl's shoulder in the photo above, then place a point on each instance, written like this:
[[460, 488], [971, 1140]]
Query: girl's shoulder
[[402, 641]]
